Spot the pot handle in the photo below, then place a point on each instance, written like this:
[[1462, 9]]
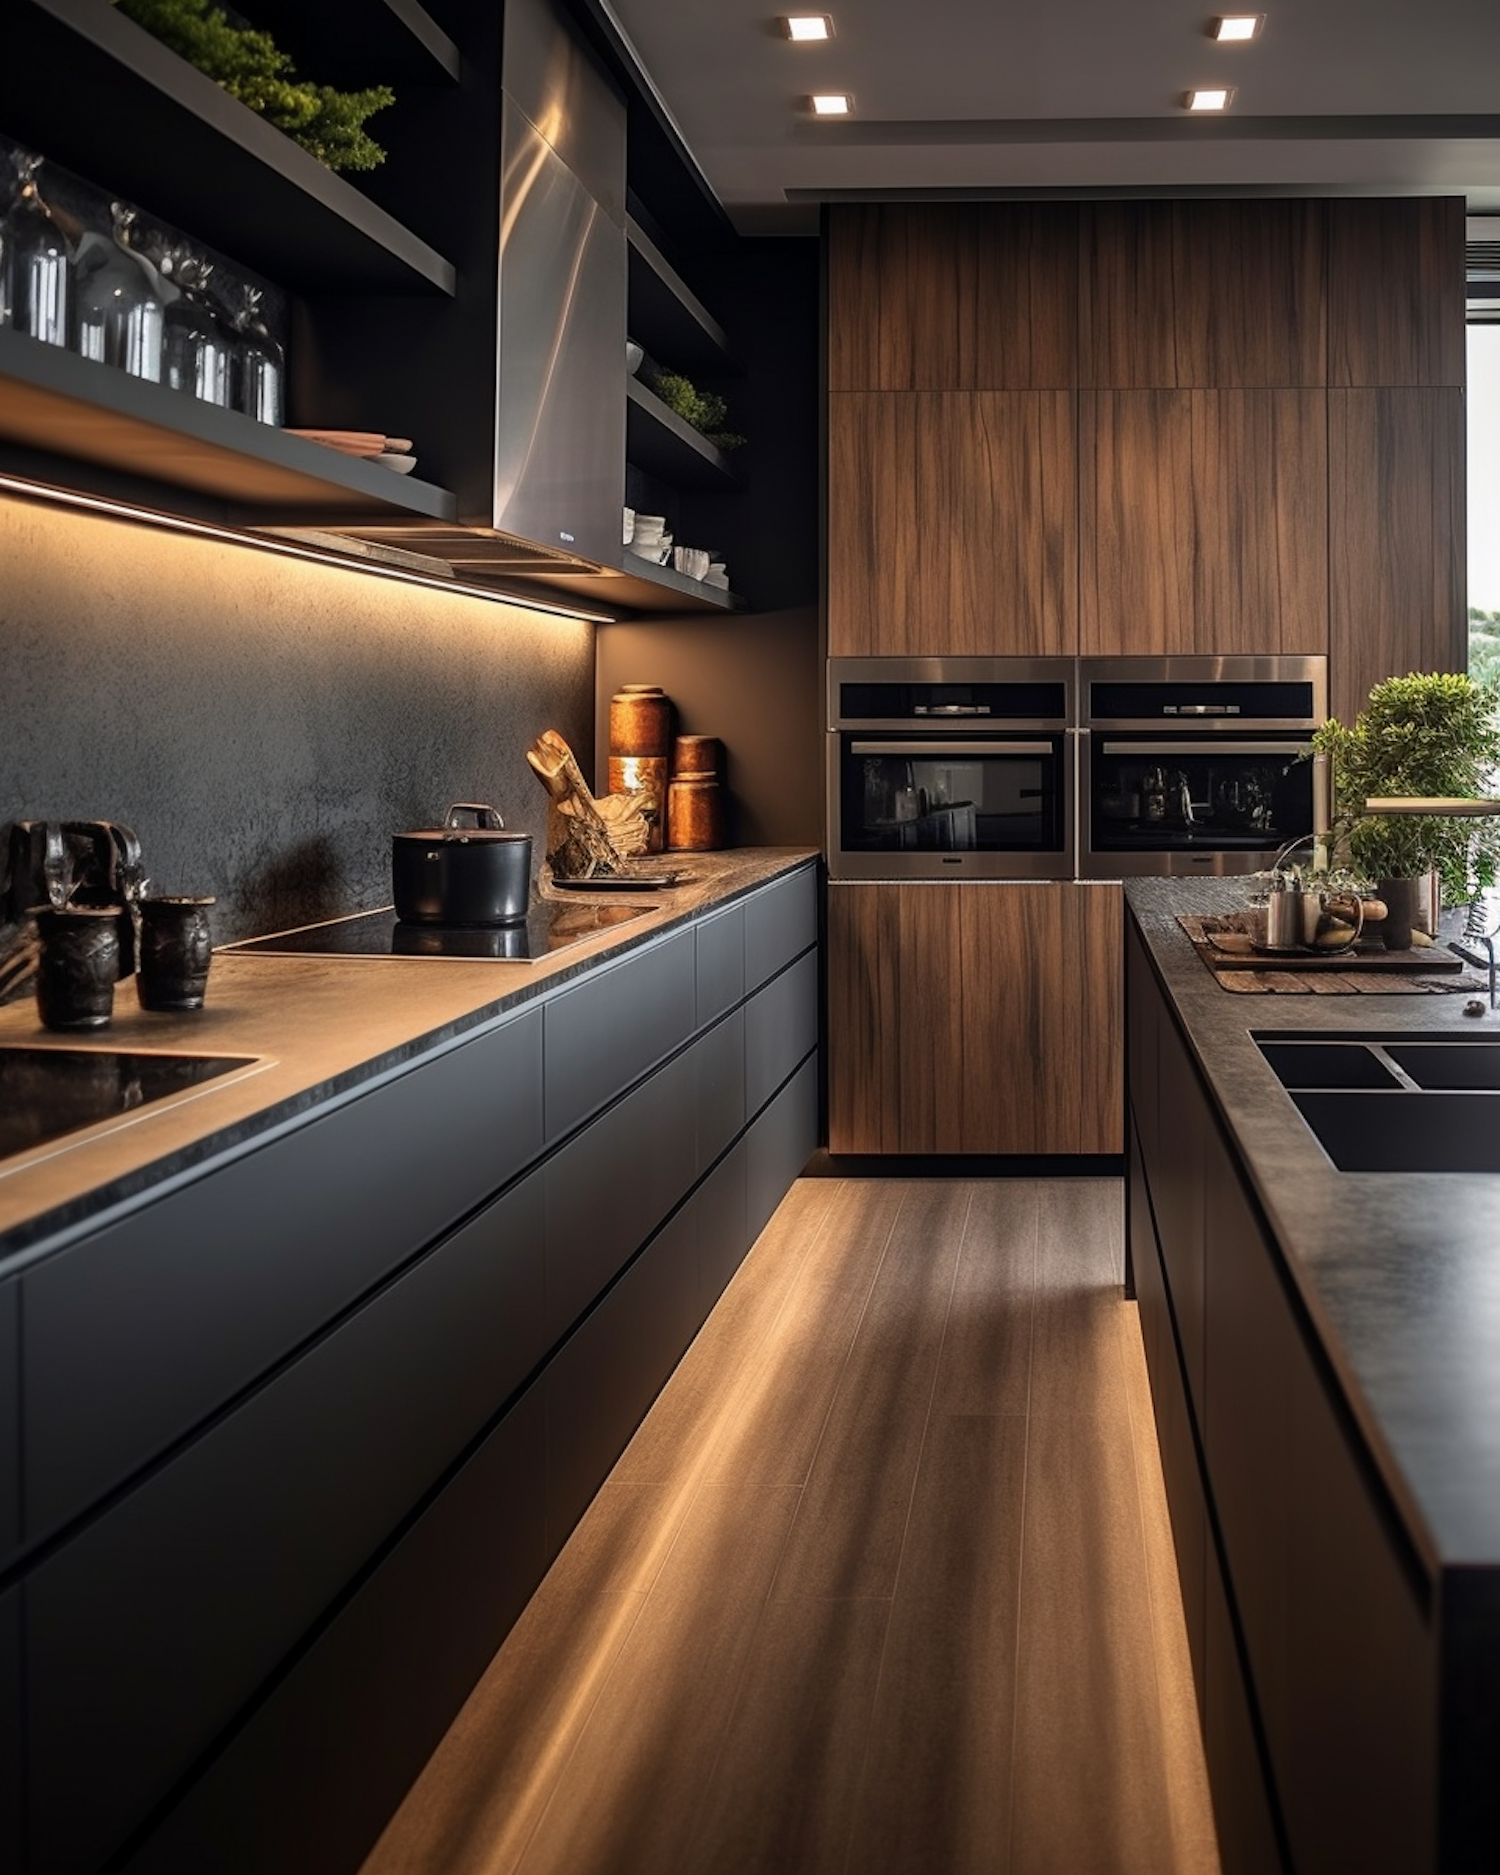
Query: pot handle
[[484, 816]]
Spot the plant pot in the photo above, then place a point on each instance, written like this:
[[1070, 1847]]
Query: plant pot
[[1404, 900]]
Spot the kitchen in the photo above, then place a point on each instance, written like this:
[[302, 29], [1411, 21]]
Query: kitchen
[[226, 702]]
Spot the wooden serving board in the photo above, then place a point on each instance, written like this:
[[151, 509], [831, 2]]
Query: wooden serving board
[[1347, 973]]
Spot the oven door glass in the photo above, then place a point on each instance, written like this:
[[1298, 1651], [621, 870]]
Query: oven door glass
[[951, 794], [1198, 798]]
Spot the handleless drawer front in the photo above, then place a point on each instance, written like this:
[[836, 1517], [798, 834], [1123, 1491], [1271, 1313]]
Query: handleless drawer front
[[781, 1025], [135, 1335], [720, 963], [609, 1030], [778, 1145], [10, 1421], [719, 1107], [147, 1632], [781, 921]]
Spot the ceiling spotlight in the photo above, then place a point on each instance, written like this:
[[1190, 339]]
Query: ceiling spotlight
[[832, 104], [808, 26], [1209, 100], [1234, 28]]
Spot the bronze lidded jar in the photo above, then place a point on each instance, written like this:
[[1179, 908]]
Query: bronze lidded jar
[[695, 801], [640, 742]]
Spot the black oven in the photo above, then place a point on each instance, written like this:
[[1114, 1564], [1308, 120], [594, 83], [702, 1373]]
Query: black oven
[[943, 768], [1197, 764]]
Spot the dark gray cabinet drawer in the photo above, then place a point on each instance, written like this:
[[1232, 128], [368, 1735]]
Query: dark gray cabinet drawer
[[781, 920], [719, 1109], [133, 1336], [781, 1024], [609, 1187], [10, 1421], [145, 1634], [723, 1231], [10, 1730], [720, 963], [778, 1145], [607, 1031]]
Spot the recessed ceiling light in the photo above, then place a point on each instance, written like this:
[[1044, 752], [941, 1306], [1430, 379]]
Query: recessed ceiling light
[[1217, 100], [832, 104], [808, 26], [1232, 28]]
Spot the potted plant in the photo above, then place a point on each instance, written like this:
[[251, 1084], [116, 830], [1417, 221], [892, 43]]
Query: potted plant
[[1433, 735]]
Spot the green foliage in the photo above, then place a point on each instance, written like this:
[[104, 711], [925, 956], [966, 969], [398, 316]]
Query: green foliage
[[1484, 646], [705, 410], [251, 67], [1431, 733]]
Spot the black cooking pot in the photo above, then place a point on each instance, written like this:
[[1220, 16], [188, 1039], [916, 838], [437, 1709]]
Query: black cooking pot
[[462, 875]]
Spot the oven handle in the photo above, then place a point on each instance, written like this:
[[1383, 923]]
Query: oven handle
[[995, 746], [1219, 746]]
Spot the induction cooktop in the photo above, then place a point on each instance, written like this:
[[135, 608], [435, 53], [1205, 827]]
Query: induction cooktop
[[547, 929], [48, 1092]]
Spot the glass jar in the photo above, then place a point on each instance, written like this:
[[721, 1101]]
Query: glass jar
[[119, 300], [197, 352], [37, 260], [259, 365]]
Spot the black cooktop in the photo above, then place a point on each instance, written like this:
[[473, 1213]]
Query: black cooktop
[[46, 1092], [547, 929]]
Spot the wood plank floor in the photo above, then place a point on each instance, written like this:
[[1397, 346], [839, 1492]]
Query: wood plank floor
[[883, 1585]]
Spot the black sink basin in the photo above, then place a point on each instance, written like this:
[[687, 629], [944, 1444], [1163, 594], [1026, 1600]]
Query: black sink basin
[[1328, 1064], [1405, 1132], [1448, 1064], [46, 1093]]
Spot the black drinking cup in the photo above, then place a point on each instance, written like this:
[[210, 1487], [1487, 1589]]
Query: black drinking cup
[[176, 946], [79, 966]]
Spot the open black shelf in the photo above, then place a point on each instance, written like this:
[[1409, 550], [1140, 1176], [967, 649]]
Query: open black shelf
[[89, 89], [376, 42], [658, 441], [71, 408], [667, 318]]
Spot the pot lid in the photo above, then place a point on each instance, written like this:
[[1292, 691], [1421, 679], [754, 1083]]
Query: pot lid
[[488, 826]]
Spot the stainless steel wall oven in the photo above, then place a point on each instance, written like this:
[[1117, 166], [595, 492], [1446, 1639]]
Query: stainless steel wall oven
[[1197, 764], [942, 768]]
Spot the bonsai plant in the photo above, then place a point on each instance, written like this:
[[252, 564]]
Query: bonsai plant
[[1430, 734]]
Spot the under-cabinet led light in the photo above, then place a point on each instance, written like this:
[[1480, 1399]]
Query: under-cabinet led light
[[56, 497], [1210, 100], [808, 26], [832, 104], [1236, 28]]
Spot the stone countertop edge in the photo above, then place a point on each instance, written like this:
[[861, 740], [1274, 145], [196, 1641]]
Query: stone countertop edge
[[1399, 1272], [322, 1029]]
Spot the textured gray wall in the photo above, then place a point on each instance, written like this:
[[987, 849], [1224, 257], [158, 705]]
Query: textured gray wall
[[264, 725]]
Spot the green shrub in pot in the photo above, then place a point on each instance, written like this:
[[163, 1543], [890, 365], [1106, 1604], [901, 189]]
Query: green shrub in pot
[[1431, 733]]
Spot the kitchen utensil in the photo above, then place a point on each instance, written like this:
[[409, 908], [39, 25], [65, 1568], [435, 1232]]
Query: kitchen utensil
[[462, 875]]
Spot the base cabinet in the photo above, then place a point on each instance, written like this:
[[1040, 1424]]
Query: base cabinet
[[1312, 1620], [251, 1632], [974, 1018]]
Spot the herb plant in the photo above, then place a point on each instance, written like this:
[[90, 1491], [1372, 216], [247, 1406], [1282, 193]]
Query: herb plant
[[250, 66], [1429, 734], [705, 410]]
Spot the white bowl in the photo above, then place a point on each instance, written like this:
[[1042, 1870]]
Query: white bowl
[[403, 465], [633, 356]]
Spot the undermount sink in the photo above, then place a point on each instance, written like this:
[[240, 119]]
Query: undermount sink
[[47, 1093], [1394, 1103]]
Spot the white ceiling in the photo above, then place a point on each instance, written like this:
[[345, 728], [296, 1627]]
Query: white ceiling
[[1032, 97]]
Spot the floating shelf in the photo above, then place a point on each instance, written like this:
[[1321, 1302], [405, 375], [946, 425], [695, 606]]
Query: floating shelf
[[658, 442], [91, 90], [390, 41], [55, 402], [667, 318]]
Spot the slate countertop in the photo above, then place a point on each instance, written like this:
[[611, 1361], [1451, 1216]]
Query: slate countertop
[[1400, 1272], [318, 1027]]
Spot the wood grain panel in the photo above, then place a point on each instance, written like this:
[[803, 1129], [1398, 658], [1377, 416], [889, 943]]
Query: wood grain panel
[[1136, 549], [1126, 335], [1260, 521], [952, 523], [1248, 293], [947, 296], [1396, 291], [1397, 538]]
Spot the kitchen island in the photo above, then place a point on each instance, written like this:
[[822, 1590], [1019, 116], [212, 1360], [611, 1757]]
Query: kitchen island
[[1324, 1349], [308, 1372]]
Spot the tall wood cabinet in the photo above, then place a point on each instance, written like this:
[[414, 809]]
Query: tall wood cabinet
[[979, 1017]]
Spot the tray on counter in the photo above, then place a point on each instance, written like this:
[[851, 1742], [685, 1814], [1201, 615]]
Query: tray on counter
[[1368, 969]]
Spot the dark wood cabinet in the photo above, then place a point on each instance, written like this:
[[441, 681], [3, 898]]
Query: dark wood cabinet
[[1204, 522], [1396, 292], [973, 1018], [952, 523]]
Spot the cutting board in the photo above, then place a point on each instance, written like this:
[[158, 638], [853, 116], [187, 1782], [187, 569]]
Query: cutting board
[[1346, 973]]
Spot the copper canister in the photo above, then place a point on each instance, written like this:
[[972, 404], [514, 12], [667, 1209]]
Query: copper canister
[[640, 737], [695, 801]]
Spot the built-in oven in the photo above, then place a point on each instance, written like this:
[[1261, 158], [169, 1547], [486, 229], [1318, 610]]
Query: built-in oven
[[1197, 764], [943, 768]]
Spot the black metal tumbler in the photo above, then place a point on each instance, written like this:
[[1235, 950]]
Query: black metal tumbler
[[80, 964], [175, 950]]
